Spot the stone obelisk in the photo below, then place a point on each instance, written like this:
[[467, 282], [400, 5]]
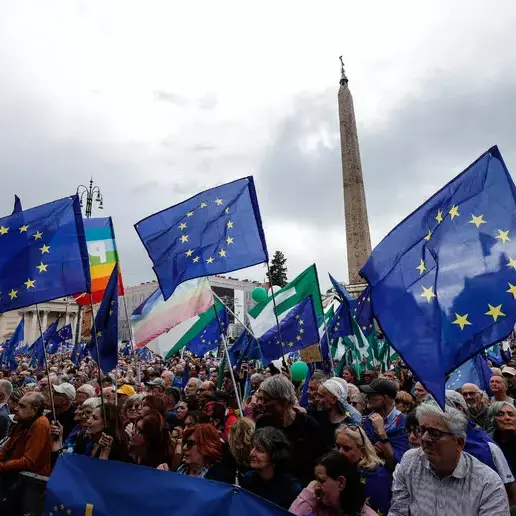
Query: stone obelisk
[[357, 225]]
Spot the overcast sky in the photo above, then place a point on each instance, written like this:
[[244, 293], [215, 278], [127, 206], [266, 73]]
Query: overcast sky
[[159, 100]]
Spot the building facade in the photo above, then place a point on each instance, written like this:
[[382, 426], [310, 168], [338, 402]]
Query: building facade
[[234, 293]]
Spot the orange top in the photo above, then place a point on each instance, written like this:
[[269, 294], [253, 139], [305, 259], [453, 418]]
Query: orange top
[[28, 449]]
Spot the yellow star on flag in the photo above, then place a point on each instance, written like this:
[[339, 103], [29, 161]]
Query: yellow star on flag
[[111, 312], [99, 334], [3, 230], [229, 240], [301, 322], [362, 480], [42, 267], [454, 211], [24, 228], [37, 235], [512, 263], [204, 204], [218, 202], [189, 252], [13, 294], [298, 337], [421, 267], [190, 214], [30, 283], [301, 331], [290, 344], [182, 226], [429, 235], [428, 293], [512, 290], [184, 238], [477, 220], [503, 236], [230, 224], [461, 320], [495, 311], [222, 252], [227, 210], [196, 259], [45, 249], [210, 260], [439, 216]]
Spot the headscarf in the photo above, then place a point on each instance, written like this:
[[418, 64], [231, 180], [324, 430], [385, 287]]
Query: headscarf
[[337, 387]]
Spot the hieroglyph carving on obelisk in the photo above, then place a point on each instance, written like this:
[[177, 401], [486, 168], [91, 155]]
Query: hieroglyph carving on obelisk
[[357, 225]]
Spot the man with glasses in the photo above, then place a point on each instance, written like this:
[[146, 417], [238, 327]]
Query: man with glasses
[[440, 478], [476, 404]]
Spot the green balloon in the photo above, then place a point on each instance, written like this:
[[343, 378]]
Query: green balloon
[[298, 371], [259, 294]]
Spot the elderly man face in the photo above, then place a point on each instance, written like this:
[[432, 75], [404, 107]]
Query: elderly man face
[[313, 388], [191, 388], [440, 446], [472, 395], [419, 392], [325, 400], [167, 377], [25, 410]]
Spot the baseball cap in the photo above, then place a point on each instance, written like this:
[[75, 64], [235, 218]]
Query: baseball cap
[[126, 389], [65, 388], [157, 382], [380, 386], [509, 370]]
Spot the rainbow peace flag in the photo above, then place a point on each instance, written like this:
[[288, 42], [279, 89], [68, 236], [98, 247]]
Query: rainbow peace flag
[[103, 255]]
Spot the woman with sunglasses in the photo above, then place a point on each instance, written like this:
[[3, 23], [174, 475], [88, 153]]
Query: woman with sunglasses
[[338, 490], [131, 412], [353, 443], [203, 455]]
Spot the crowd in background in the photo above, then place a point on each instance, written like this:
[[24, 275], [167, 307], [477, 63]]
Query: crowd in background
[[375, 444]]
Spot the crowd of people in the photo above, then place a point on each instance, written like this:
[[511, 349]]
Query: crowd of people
[[371, 445]]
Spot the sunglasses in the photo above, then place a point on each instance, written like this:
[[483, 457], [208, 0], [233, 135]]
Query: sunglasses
[[356, 428], [189, 443], [434, 433]]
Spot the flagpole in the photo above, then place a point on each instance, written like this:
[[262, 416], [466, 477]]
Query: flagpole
[[94, 336], [223, 336], [235, 316], [329, 348], [131, 334], [47, 370], [276, 315]]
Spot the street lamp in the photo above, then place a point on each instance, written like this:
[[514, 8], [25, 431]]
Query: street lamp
[[90, 193]]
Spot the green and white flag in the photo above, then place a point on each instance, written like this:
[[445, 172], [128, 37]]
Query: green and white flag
[[361, 350], [262, 317]]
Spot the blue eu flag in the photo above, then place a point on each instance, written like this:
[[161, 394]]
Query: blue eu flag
[[59, 338], [84, 486], [244, 348], [106, 325], [476, 370], [10, 347], [211, 336], [43, 254], [363, 312], [216, 231], [298, 330], [37, 350], [443, 282]]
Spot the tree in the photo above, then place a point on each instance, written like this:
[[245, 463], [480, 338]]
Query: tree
[[278, 270]]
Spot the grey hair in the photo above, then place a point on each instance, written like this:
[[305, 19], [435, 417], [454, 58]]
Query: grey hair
[[275, 443], [359, 397], [131, 400], [92, 403], [456, 400], [87, 389], [279, 388], [7, 387], [258, 377], [37, 401], [53, 379], [197, 382], [492, 412], [454, 419]]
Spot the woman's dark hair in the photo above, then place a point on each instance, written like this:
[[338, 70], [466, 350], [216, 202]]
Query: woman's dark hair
[[197, 417], [274, 442], [351, 371], [114, 426], [352, 497], [411, 421], [155, 403], [157, 439], [216, 411]]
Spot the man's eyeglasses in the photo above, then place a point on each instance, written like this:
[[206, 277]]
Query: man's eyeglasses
[[189, 443], [434, 433]]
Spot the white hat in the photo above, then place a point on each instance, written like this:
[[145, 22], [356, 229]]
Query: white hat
[[338, 387], [509, 370], [67, 389]]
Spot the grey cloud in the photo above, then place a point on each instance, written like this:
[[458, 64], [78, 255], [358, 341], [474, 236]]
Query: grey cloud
[[173, 98]]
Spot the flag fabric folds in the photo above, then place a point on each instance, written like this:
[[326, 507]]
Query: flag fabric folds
[[59, 338], [106, 326], [43, 254], [297, 331], [476, 370], [84, 485], [211, 336], [156, 316], [17, 205], [363, 312], [37, 350], [262, 317], [102, 255], [443, 282], [10, 347], [244, 348], [216, 231]]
